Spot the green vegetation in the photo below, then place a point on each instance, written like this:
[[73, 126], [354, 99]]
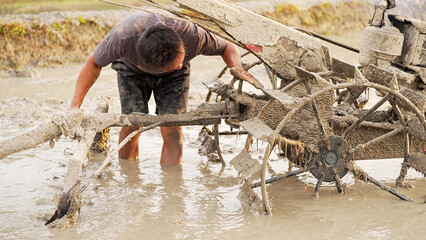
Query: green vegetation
[[325, 5], [81, 20], [12, 29], [287, 8]]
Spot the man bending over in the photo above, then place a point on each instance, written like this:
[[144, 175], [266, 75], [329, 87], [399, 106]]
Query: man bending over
[[151, 54]]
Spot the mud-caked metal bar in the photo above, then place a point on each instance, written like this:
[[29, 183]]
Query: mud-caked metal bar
[[314, 107], [405, 164], [386, 188], [362, 175], [320, 180], [282, 176], [338, 183], [368, 113]]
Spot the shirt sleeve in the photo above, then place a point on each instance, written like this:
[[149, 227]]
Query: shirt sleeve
[[210, 44], [108, 50]]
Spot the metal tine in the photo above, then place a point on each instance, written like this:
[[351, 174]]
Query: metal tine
[[404, 165], [361, 174], [338, 183], [306, 76], [368, 113], [316, 194], [282, 176]]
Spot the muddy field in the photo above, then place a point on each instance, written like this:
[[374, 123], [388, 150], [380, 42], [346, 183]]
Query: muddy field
[[195, 200]]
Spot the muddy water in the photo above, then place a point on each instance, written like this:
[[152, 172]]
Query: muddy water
[[195, 200]]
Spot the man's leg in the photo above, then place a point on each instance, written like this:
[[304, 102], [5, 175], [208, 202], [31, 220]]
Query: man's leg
[[134, 96], [171, 97], [172, 145], [131, 149]]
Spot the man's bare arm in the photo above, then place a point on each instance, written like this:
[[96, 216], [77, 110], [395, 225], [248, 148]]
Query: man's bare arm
[[88, 75], [231, 57]]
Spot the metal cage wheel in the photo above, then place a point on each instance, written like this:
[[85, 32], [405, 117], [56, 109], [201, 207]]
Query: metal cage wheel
[[334, 158]]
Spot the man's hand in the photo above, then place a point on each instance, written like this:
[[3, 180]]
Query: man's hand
[[242, 74], [232, 59]]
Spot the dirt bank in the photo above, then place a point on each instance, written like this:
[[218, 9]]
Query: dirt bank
[[30, 41]]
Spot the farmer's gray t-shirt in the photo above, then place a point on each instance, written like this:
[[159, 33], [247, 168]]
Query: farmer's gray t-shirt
[[120, 43]]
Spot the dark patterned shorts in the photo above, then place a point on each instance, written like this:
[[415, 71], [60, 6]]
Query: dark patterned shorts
[[170, 90]]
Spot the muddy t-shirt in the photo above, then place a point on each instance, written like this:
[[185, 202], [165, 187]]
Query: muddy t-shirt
[[120, 43]]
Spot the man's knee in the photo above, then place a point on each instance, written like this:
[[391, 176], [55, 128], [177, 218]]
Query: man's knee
[[125, 131], [172, 134]]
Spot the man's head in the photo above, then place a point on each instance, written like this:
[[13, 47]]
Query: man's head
[[162, 47]]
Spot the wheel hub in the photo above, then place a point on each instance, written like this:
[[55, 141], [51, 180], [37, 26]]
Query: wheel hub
[[330, 158], [331, 161]]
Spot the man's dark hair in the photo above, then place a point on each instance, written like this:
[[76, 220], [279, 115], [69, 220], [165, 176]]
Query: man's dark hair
[[160, 45]]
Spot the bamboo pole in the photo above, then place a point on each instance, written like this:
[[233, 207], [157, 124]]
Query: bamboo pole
[[205, 114], [70, 199]]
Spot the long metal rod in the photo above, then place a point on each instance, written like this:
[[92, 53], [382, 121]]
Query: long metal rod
[[386, 188], [362, 175], [291, 85], [321, 125], [333, 42], [368, 113], [282, 176], [313, 34], [231, 133], [314, 107], [265, 108]]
